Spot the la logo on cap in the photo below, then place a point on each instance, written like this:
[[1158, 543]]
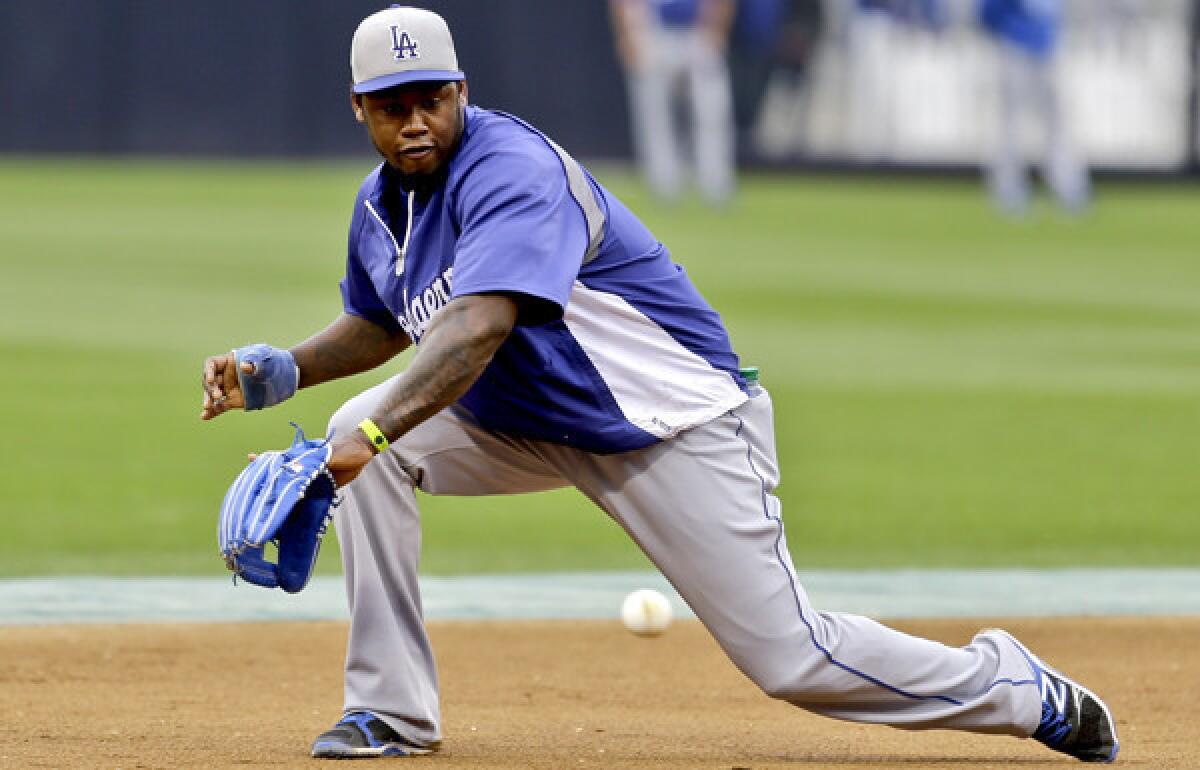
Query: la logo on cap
[[403, 44]]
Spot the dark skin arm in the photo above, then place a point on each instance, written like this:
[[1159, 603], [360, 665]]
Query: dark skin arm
[[455, 350], [459, 344], [629, 32], [347, 346], [350, 345]]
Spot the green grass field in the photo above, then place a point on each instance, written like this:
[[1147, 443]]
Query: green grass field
[[952, 389]]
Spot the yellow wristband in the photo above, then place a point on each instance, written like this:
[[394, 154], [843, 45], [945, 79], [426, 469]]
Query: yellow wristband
[[378, 440]]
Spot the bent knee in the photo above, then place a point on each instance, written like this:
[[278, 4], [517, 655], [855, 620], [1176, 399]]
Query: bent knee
[[779, 689], [346, 419], [794, 689]]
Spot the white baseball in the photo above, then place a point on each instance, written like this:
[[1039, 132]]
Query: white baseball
[[646, 612]]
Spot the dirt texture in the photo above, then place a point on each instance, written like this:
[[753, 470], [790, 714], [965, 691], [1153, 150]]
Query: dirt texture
[[555, 694]]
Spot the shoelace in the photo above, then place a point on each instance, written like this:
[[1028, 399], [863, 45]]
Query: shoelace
[[1054, 727]]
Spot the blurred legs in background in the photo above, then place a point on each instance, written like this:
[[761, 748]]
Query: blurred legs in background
[[711, 104], [680, 94], [655, 138], [775, 127], [683, 70], [1028, 87]]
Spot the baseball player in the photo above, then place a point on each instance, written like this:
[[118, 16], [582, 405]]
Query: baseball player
[[558, 344], [670, 48], [1027, 34]]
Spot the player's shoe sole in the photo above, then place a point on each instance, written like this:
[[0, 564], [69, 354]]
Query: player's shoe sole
[[335, 750], [362, 735], [1074, 719]]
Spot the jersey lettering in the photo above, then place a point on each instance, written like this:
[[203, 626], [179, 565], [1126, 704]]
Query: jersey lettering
[[425, 305], [442, 288], [403, 44]]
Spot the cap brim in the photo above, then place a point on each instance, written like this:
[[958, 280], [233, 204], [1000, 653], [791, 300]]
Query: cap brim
[[404, 78]]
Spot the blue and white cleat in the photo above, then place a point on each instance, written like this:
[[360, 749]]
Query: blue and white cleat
[[361, 734], [1074, 719]]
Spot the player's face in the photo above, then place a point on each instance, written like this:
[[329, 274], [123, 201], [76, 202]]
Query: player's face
[[414, 127]]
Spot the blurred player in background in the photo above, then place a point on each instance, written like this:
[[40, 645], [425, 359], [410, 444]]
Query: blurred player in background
[[558, 344], [671, 49], [752, 53], [778, 118], [1027, 35]]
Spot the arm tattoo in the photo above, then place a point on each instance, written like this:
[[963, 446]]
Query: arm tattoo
[[454, 352]]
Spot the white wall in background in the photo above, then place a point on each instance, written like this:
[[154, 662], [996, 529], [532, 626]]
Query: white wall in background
[[889, 93]]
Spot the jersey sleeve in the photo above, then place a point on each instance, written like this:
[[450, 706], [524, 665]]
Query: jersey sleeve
[[359, 295], [522, 231]]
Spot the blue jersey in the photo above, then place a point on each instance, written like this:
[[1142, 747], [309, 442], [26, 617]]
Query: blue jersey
[[677, 13], [757, 22], [928, 13], [1032, 25], [614, 348]]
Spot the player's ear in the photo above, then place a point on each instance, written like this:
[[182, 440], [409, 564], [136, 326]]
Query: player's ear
[[462, 93], [356, 105]]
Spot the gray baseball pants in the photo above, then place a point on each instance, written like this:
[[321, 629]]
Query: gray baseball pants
[[702, 507], [678, 57], [1028, 86]]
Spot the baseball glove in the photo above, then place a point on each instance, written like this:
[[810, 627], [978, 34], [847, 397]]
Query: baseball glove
[[283, 497]]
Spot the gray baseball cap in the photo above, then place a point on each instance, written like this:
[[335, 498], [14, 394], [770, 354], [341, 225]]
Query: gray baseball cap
[[401, 45]]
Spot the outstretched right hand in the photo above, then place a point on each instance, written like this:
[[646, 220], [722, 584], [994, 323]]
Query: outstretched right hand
[[222, 391]]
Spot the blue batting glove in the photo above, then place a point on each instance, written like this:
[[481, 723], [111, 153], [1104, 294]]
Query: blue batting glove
[[274, 379]]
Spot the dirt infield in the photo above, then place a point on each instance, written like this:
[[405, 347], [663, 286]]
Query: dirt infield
[[557, 694]]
